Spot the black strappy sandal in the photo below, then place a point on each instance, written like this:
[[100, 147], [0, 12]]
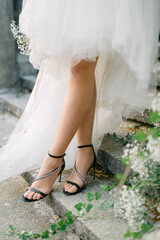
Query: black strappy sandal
[[46, 175], [80, 189]]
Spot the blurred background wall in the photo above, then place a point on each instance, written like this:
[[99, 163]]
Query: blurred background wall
[[13, 65]]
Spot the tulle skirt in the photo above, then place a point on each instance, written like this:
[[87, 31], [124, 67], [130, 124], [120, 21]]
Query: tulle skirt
[[123, 35]]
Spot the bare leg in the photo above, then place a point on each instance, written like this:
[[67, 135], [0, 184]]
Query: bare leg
[[84, 155], [77, 103]]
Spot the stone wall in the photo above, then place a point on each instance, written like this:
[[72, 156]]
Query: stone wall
[[8, 66]]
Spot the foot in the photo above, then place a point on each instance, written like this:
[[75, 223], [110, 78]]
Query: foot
[[45, 184], [85, 158]]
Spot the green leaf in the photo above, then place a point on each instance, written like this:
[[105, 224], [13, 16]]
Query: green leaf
[[158, 170], [155, 132], [12, 227], [68, 214], [106, 205], [103, 187], [114, 135], [26, 237], [98, 195], [127, 234], [36, 235], [144, 227], [154, 117], [17, 235], [53, 228], [45, 234], [68, 222], [88, 207], [118, 176], [90, 196], [140, 136], [9, 233], [30, 233], [155, 179], [80, 214], [62, 227], [60, 223], [125, 160], [78, 206], [137, 235]]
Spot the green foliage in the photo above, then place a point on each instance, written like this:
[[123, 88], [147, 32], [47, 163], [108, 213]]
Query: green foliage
[[155, 132], [103, 187], [90, 196], [60, 226], [45, 234], [144, 229], [104, 205], [78, 206], [154, 117], [124, 140], [95, 196], [125, 160], [118, 176], [140, 136], [88, 207]]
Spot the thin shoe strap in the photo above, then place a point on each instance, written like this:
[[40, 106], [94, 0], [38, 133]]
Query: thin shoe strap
[[48, 174], [56, 156], [78, 173], [82, 146]]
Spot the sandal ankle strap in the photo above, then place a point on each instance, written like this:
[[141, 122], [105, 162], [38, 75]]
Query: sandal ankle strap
[[56, 156], [82, 146]]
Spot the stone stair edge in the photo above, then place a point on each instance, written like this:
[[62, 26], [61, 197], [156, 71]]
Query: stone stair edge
[[82, 229]]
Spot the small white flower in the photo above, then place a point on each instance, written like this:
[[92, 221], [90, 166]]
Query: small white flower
[[22, 40], [153, 146], [131, 206]]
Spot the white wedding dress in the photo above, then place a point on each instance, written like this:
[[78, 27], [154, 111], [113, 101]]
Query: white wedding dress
[[123, 33]]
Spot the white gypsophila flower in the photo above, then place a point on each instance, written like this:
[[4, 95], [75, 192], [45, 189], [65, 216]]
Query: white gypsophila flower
[[153, 145], [139, 166], [131, 150], [131, 206], [22, 39], [156, 104]]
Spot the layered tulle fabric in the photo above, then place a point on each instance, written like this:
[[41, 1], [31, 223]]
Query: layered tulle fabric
[[123, 35]]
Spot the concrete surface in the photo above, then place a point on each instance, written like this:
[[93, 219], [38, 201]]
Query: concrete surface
[[13, 101], [97, 224], [7, 123]]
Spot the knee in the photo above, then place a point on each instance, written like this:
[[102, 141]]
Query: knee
[[82, 68]]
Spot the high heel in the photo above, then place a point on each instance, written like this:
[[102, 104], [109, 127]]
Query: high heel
[[46, 175], [93, 166]]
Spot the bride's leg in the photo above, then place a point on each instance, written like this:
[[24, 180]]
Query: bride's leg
[[84, 155], [77, 103]]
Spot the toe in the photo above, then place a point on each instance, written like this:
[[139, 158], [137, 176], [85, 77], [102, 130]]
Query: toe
[[35, 196], [39, 196], [72, 189], [31, 195], [68, 186], [26, 194]]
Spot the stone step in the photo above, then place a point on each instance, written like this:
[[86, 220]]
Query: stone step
[[143, 118], [28, 82], [13, 101], [97, 224]]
